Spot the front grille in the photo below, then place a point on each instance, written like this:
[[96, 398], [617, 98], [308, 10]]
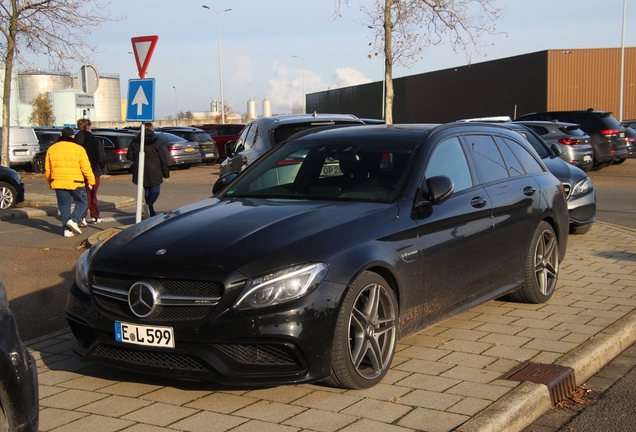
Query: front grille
[[258, 354], [178, 300], [150, 358]]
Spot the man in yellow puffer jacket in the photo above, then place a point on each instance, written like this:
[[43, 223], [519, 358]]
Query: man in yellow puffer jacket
[[67, 170]]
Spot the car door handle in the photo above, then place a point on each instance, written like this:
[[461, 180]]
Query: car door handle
[[478, 202], [529, 190]]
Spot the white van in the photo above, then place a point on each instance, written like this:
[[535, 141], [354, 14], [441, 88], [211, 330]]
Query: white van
[[23, 145]]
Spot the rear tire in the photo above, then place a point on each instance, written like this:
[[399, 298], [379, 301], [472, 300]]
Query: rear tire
[[620, 161], [541, 268], [8, 196], [366, 334], [38, 165], [184, 167]]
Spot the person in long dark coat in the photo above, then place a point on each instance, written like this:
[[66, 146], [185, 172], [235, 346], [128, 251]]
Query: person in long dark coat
[[97, 158], [155, 165]]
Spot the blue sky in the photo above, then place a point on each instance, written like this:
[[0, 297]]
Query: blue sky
[[259, 38]]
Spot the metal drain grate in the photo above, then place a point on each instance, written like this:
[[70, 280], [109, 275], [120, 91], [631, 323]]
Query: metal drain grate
[[559, 379]]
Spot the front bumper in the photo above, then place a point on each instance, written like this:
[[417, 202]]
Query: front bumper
[[286, 344], [582, 208]]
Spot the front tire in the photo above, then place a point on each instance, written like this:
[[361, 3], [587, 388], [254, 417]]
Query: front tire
[[7, 196], [366, 334], [38, 165], [541, 268]]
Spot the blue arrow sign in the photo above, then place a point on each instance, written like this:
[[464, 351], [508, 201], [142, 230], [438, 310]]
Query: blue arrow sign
[[141, 100]]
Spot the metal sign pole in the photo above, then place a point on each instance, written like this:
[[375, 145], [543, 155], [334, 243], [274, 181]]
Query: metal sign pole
[[140, 172]]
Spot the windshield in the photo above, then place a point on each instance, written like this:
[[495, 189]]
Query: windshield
[[369, 170]]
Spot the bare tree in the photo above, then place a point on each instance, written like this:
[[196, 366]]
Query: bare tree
[[56, 29], [405, 29]]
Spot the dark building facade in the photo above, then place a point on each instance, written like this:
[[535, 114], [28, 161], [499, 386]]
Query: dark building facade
[[544, 80]]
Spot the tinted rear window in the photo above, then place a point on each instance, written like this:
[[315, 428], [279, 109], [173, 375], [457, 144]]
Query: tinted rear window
[[170, 138], [201, 137]]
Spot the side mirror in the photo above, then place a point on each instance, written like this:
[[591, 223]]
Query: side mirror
[[223, 181], [229, 150], [556, 148], [435, 190]]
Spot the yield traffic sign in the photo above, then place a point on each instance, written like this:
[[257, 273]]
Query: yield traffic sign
[[141, 100], [143, 47]]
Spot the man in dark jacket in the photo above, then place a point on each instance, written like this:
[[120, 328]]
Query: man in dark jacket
[[155, 165], [97, 158]]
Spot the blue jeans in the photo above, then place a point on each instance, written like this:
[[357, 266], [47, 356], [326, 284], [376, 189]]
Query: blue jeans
[[64, 199], [151, 195]]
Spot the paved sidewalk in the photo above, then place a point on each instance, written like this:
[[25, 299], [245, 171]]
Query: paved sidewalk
[[37, 205], [444, 378]]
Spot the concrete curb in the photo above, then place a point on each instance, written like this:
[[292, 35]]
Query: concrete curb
[[42, 205], [527, 402]]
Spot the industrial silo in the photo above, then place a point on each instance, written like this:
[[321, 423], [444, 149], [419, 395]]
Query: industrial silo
[[267, 108], [32, 83], [251, 109]]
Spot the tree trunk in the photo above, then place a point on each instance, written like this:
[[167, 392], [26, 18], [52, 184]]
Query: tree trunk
[[388, 63], [6, 99]]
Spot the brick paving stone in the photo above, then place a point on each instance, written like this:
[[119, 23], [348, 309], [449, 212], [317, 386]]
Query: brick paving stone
[[428, 382], [269, 411], [502, 365], [566, 310], [424, 341], [577, 328], [260, 426], [534, 314], [493, 308], [462, 334], [139, 427], [160, 414], [46, 391], [318, 420], [513, 341], [95, 423], [385, 412], [495, 319], [512, 353], [466, 359], [483, 391], [175, 396], [381, 391], [50, 418], [545, 324], [52, 377], [432, 421], [460, 324], [496, 328], [114, 406], [465, 373], [577, 338], [132, 389], [283, 394], [326, 401], [222, 402], [543, 334], [430, 399], [546, 357], [365, 425], [71, 399], [207, 421], [87, 382], [422, 353], [574, 319], [550, 345], [466, 346], [423, 366], [469, 406]]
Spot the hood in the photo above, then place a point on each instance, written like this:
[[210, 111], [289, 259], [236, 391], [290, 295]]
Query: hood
[[213, 238], [564, 171]]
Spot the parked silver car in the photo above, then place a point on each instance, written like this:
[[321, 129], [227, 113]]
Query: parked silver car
[[575, 144], [180, 152]]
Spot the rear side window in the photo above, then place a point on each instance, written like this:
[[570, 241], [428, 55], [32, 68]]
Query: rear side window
[[448, 159], [529, 163], [488, 160], [106, 143], [538, 129]]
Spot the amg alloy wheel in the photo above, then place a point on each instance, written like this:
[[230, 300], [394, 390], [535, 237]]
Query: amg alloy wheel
[[366, 334], [7, 196]]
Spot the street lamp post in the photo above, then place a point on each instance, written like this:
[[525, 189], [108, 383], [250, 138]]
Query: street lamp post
[[176, 111], [218, 33], [304, 99]]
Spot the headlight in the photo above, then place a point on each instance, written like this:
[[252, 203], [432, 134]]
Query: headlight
[[281, 286], [81, 272], [582, 187]]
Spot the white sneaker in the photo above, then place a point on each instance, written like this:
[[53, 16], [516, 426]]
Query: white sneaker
[[73, 226], [68, 233], [83, 223], [95, 220]]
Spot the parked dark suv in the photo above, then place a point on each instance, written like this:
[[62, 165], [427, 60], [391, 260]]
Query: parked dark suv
[[606, 133], [222, 134], [207, 145]]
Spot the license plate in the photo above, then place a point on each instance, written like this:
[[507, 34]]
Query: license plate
[[20, 152], [587, 158], [210, 155], [156, 336], [189, 149]]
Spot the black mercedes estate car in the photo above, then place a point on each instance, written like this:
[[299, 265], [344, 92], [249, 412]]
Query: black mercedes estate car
[[312, 263]]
